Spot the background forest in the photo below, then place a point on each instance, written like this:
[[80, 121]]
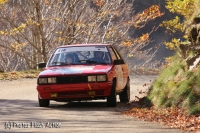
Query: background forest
[[31, 30]]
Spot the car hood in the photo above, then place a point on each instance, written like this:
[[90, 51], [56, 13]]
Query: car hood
[[74, 70]]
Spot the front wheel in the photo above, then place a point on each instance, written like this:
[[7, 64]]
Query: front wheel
[[124, 96], [43, 102], [111, 99]]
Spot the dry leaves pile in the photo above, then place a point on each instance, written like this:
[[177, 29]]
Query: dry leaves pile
[[172, 117]]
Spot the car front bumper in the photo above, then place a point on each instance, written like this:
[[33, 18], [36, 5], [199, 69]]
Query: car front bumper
[[74, 91]]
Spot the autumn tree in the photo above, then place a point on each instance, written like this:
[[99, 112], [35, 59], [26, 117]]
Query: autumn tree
[[30, 30], [185, 9]]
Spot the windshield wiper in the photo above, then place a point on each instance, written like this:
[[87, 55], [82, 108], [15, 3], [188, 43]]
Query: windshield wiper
[[92, 61], [62, 63], [88, 61], [58, 63], [102, 63]]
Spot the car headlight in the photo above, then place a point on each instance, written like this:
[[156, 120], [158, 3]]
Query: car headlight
[[50, 80], [97, 78], [42, 81], [101, 78], [92, 78]]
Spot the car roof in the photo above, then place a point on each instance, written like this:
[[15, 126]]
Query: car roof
[[77, 45]]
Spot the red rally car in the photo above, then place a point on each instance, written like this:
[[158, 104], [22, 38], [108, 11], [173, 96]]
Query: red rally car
[[84, 72]]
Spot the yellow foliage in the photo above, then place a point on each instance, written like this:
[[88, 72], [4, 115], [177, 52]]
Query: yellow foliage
[[186, 36], [1, 32], [174, 44], [30, 22], [173, 25], [168, 58], [103, 14], [22, 26], [183, 7], [15, 30], [3, 1], [17, 46], [57, 19], [130, 55], [80, 24], [61, 39], [107, 36]]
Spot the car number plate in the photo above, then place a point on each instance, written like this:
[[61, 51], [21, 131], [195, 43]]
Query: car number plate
[[91, 93], [53, 94]]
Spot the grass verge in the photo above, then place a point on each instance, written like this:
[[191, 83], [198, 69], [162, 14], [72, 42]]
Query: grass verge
[[19, 74]]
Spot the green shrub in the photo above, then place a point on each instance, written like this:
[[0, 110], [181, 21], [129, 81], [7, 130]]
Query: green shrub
[[195, 110], [181, 92], [176, 86]]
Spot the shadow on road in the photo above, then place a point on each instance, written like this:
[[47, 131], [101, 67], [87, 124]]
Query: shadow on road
[[28, 111], [12, 107]]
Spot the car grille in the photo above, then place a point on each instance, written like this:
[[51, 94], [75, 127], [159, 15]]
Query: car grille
[[71, 79]]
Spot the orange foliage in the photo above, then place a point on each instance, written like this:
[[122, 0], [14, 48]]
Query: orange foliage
[[126, 43], [140, 40], [172, 117], [147, 15], [99, 2]]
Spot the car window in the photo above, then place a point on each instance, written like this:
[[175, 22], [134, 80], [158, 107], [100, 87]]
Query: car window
[[56, 57], [118, 56], [81, 55], [113, 55]]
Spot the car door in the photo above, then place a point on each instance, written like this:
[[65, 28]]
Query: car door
[[124, 66], [118, 70]]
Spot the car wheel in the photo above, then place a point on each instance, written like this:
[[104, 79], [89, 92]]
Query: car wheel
[[111, 99], [43, 102], [124, 96]]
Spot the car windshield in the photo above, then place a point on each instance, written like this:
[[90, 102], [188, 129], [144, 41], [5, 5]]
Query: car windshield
[[80, 55]]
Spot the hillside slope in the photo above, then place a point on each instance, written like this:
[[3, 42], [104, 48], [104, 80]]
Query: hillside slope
[[176, 86]]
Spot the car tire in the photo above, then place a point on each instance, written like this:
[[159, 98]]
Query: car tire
[[124, 96], [111, 99], [43, 102]]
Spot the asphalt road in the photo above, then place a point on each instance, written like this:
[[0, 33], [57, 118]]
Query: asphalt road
[[19, 112]]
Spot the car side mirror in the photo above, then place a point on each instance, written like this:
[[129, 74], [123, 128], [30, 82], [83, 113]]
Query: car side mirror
[[118, 62], [42, 65]]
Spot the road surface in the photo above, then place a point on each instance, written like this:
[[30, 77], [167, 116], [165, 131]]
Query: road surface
[[19, 112]]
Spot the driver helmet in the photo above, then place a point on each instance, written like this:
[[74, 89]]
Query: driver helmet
[[98, 54]]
